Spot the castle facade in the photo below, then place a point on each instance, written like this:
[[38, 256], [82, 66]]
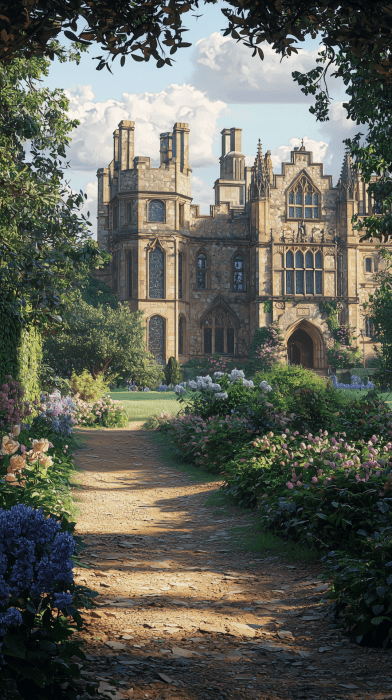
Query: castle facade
[[272, 248]]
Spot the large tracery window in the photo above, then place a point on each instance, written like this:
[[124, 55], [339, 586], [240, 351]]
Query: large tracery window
[[156, 337], [304, 274], [303, 200], [156, 274], [238, 274], [219, 333], [156, 210]]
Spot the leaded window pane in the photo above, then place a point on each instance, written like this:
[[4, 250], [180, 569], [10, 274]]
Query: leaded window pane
[[291, 197], [201, 261], [156, 210], [315, 199], [289, 282], [309, 281], [289, 259], [219, 340], [319, 282], [230, 341], [315, 213], [308, 212], [309, 259], [238, 281], [299, 282], [156, 277], [298, 212], [130, 274], [308, 198], [238, 263], [201, 279], [156, 336], [180, 276], [207, 341], [299, 259], [291, 212], [298, 198], [318, 260]]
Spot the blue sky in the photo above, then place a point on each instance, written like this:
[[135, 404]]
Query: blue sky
[[212, 85]]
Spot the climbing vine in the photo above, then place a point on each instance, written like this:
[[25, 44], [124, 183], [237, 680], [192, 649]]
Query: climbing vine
[[340, 351]]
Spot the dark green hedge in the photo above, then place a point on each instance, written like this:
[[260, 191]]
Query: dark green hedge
[[20, 351]]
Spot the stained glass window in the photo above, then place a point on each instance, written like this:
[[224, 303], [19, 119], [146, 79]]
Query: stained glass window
[[207, 341], [156, 337], [238, 275], [181, 335], [130, 274], [230, 341], [156, 274], [219, 340], [201, 271], [156, 210], [180, 256]]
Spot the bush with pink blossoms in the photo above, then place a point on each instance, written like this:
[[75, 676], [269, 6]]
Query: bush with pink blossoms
[[13, 409]]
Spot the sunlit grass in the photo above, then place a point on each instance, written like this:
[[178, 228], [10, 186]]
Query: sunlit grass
[[142, 405]]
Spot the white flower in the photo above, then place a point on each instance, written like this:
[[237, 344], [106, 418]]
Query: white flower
[[236, 374], [264, 386], [179, 389], [216, 387], [218, 375], [192, 384], [248, 383], [222, 395]]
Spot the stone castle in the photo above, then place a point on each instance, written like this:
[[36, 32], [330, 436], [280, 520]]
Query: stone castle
[[272, 248]]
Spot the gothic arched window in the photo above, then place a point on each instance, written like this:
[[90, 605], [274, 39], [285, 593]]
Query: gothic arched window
[[238, 274], [181, 335], [202, 271], [305, 277], [219, 333], [156, 337], [156, 210], [303, 200], [156, 265]]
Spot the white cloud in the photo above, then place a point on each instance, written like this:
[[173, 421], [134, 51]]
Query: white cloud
[[202, 193], [282, 153], [153, 113], [90, 204], [227, 70]]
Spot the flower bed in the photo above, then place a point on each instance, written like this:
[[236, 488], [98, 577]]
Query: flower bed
[[102, 413]]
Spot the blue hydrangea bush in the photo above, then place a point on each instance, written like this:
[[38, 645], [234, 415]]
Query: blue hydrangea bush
[[38, 616]]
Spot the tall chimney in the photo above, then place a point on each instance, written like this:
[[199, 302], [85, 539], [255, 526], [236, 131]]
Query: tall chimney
[[126, 144]]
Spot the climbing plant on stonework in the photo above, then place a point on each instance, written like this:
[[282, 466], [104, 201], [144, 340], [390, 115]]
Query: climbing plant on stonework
[[266, 347], [340, 352]]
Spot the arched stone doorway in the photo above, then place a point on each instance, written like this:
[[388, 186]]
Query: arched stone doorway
[[300, 348], [305, 345]]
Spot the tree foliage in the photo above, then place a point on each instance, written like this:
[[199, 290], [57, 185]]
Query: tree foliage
[[103, 340], [172, 371], [46, 249], [148, 28], [379, 313]]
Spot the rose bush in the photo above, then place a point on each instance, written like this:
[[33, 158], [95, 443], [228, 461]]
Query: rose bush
[[105, 412]]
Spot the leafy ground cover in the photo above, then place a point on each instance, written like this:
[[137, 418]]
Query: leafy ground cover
[[329, 490]]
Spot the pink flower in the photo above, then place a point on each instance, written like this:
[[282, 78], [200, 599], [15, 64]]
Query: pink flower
[[22, 448], [242, 460], [299, 483], [290, 485], [314, 479]]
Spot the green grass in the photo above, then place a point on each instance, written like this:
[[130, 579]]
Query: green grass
[[244, 538], [142, 405]]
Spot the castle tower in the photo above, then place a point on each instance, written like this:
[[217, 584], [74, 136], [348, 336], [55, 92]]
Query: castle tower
[[230, 187]]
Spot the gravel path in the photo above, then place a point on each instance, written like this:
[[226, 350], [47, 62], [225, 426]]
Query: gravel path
[[180, 615]]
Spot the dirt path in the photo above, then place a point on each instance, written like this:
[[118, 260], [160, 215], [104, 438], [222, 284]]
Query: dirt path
[[179, 616]]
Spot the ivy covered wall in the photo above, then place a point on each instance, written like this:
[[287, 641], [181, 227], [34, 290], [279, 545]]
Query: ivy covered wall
[[20, 351]]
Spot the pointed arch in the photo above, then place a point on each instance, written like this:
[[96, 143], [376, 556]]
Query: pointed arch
[[314, 350], [303, 198], [202, 269], [220, 326]]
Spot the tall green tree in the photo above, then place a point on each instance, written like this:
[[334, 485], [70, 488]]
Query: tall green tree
[[108, 342], [46, 248]]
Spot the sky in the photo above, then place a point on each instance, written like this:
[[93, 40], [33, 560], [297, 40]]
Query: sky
[[214, 84]]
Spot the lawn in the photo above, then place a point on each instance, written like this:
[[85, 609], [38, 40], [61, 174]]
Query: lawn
[[141, 405]]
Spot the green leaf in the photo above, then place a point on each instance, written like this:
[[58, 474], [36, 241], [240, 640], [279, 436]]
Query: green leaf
[[35, 675], [13, 646]]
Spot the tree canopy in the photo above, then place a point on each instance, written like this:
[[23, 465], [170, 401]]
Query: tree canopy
[[150, 28], [46, 248]]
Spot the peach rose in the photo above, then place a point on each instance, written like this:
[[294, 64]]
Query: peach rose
[[41, 445], [17, 462], [9, 446], [11, 478], [16, 430], [45, 460]]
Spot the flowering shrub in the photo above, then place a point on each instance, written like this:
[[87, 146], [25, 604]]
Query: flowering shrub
[[343, 356], [57, 412], [13, 410], [356, 383], [88, 388], [268, 352], [36, 597], [104, 412]]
